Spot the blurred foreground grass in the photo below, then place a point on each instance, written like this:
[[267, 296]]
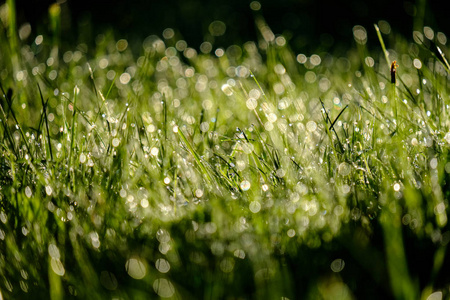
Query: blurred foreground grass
[[246, 172]]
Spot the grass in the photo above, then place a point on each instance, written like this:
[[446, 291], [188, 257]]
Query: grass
[[246, 172]]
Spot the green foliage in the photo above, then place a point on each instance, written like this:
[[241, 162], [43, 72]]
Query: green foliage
[[249, 172]]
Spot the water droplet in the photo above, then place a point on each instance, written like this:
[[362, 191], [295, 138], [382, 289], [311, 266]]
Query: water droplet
[[251, 103], [115, 142], [25, 231], [135, 268], [154, 151], [28, 192], [57, 266], [245, 185], [144, 203], [227, 89], [53, 251], [344, 169], [164, 248], [162, 265], [204, 126], [163, 287], [227, 264], [345, 189], [108, 280], [198, 193], [434, 163], [291, 233], [239, 253], [280, 173], [163, 236], [48, 190], [255, 207], [435, 296], [337, 265], [311, 126], [95, 239], [125, 78], [268, 126], [90, 162]]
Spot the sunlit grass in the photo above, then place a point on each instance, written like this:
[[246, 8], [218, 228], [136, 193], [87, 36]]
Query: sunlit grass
[[246, 172]]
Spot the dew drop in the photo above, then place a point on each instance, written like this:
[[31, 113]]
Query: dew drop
[[90, 162], [135, 268], [227, 89], [337, 265], [144, 203], [344, 169], [435, 296], [255, 207], [245, 185], [251, 103], [227, 264], [345, 189], [162, 265], [28, 192], [311, 126], [163, 287], [108, 280], [53, 251], [198, 193], [434, 163], [154, 151], [239, 253], [82, 158], [291, 233], [57, 267], [48, 190], [115, 142]]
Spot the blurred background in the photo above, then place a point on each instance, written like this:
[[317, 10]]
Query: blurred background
[[307, 24]]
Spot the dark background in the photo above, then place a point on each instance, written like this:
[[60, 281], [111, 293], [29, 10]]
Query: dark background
[[306, 23]]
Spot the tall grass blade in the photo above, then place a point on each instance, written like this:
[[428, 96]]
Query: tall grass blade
[[44, 107]]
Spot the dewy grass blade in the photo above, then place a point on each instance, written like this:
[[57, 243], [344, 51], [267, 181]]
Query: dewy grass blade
[[331, 126], [73, 130], [335, 120], [44, 107], [195, 155], [9, 101], [6, 129], [383, 47]]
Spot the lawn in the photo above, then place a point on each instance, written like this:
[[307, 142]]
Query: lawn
[[164, 170]]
